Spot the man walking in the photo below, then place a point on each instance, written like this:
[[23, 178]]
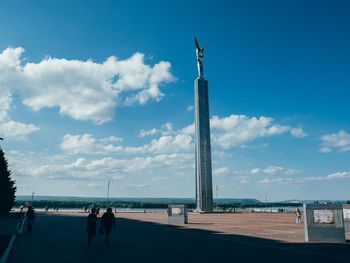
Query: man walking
[[107, 221]]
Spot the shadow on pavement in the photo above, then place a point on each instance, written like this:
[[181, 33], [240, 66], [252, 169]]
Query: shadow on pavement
[[63, 239]]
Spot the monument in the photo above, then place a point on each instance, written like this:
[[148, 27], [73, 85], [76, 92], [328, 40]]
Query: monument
[[204, 190]]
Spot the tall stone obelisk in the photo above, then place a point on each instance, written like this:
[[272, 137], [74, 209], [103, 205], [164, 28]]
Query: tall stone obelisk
[[204, 188]]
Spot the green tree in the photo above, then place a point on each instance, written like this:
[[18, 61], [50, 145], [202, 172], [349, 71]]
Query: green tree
[[7, 186], [348, 202]]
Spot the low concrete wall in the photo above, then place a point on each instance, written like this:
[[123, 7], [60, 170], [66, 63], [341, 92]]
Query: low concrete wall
[[324, 223]]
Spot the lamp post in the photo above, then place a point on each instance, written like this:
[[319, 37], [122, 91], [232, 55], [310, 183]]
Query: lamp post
[[217, 196], [109, 182], [32, 199]]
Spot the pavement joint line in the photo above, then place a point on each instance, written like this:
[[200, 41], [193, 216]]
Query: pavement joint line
[[8, 249], [263, 245], [20, 229], [12, 240]]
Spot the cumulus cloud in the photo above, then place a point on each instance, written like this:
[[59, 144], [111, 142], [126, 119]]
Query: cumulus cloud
[[227, 132], [340, 141], [87, 144], [10, 128], [111, 139], [16, 130], [333, 176], [298, 133], [325, 150], [165, 129], [83, 90], [276, 180], [178, 143], [221, 171], [238, 129], [108, 167], [272, 170], [339, 175]]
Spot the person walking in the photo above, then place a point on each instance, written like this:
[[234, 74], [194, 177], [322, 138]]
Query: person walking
[[30, 219], [107, 221], [298, 215], [91, 225]]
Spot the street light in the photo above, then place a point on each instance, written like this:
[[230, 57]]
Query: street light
[[32, 198], [109, 182]]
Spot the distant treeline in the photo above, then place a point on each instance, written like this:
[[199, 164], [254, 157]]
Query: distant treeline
[[81, 204]]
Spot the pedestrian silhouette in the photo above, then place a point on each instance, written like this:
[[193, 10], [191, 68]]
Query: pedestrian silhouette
[[30, 219], [91, 225], [107, 221]]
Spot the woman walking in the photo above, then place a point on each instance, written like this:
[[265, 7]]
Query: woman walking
[[91, 225], [298, 215], [30, 219]]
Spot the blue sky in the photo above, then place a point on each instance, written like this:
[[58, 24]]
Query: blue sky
[[93, 91]]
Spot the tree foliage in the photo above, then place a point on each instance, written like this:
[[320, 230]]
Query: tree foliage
[[7, 186], [140, 204]]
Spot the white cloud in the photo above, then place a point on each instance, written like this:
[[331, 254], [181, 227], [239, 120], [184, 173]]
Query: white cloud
[[221, 171], [5, 101], [239, 129], [227, 132], [165, 129], [339, 175], [272, 170], [83, 90], [298, 133], [111, 139], [325, 150], [276, 180], [333, 176], [190, 130], [178, 143], [190, 108], [102, 169], [255, 171], [340, 141], [144, 133], [86, 144], [9, 128], [16, 130]]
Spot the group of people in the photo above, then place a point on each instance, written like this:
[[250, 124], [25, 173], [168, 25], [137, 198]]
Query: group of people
[[107, 222]]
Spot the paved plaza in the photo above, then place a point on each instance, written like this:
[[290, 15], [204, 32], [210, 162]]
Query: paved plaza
[[146, 237]]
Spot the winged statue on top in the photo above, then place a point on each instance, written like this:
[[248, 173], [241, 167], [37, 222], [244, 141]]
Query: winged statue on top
[[199, 52]]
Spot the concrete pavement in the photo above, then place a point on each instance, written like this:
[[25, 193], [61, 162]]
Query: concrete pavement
[[62, 238]]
